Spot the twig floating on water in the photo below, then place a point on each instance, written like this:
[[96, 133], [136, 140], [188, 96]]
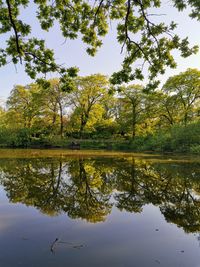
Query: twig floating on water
[[72, 245], [53, 245]]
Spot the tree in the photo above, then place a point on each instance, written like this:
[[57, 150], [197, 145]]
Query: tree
[[135, 109], [2, 117], [145, 40], [23, 103], [90, 91], [55, 103], [185, 89], [106, 125], [131, 106], [167, 109], [35, 106]]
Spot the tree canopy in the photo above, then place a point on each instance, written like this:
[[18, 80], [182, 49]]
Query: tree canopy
[[145, 40], [92, 110], [185, 87]]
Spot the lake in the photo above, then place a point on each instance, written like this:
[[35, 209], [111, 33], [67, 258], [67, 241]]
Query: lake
[[100, 209]]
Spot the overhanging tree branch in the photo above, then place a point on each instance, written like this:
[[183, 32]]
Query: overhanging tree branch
[[12, 21]]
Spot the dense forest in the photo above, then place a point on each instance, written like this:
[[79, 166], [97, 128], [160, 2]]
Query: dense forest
[[96, 115]]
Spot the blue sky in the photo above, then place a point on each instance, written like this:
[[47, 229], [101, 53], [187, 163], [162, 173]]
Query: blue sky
[[107, 60]]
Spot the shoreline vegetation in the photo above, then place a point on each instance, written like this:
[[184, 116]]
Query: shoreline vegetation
[[94, 115], [185, 139]]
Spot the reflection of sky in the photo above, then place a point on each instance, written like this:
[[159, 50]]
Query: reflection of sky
[[108, 59], [125, 239]]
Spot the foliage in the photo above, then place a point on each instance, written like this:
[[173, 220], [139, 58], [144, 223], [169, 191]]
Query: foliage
[[135, 108], [85, 99], [24, 102], [185, 89], [176, 139], [145, 39], [129, 119], [15, 138], [54, 104]]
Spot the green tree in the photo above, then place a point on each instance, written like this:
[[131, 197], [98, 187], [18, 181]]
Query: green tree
[[107, 126], [131, 106], [135, 109], [144, 39], [87, 96], [2, 117], [184, 88], [55, 102], [169, 109], [23, 103]]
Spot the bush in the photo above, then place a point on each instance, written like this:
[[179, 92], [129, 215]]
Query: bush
[[184, 137], [195, 149], [22, 138]]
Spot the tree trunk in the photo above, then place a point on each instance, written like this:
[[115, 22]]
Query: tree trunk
[[61, 121], [133, 122], [84, 119]]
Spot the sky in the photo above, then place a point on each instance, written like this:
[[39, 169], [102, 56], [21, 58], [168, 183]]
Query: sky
[[108, 58]]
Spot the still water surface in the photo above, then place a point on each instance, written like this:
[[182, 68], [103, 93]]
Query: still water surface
[[60, 210]]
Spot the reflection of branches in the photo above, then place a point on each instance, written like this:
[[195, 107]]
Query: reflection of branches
[[54, 189], [92, 203], [87, 191], [143, 184], [131, 200]]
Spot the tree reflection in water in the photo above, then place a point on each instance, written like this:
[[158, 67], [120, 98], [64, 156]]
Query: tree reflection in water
[[89, 188]]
